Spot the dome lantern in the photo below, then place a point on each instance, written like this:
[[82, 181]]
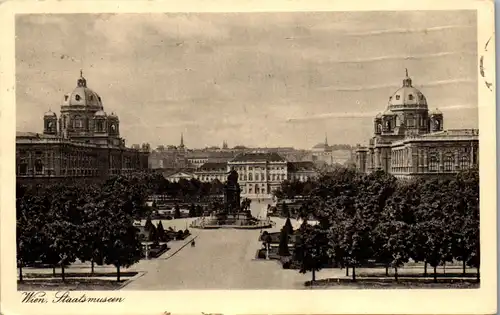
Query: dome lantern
[[49, 113], [81, 80], [407, 80]]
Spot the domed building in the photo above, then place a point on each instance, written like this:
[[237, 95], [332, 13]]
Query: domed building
[[83, 142], [409, 140]]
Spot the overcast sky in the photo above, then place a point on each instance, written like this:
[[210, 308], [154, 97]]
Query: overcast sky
[[264, 79]]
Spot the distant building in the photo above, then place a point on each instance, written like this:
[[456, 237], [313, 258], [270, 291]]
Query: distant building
[[260, 173], [330, 155], [175, 177], [301, 171], [211, 171], [83, 143], [170, 157], [409, 141]]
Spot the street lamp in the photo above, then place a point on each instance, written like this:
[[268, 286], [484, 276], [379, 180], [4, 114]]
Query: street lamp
[[147, 248]]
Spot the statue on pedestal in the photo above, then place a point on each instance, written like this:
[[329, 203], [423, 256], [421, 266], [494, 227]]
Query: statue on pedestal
[[232, 193]]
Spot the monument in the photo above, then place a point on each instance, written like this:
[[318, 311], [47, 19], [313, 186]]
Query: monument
[[232, 214], [232, 191]]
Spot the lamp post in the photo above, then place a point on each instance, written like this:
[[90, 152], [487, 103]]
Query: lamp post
[[147, 248]]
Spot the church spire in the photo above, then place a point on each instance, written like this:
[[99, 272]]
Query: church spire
[[326, 140], [182, 140]]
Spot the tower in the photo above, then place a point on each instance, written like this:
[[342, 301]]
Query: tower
[[50, 123], [435, 120], [182, 141]]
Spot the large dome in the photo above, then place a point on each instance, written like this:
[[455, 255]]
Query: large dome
[[407, 97], [82, 96]]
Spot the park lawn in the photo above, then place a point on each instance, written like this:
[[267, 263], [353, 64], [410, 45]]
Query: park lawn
[[124, 274], [389, 283], [69, 285]]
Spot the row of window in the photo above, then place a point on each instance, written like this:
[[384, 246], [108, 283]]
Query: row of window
[[78, 97], [448, 164], [259, 168], [410, 97]]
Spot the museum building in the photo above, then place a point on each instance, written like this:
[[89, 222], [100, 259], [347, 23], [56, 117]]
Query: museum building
[[409, 140], [82, 143]]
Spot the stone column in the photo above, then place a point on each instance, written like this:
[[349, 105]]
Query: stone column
[[415, 160], [441, 162], [425, 158]]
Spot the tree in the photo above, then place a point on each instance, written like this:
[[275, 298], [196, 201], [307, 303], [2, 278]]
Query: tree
[[123, 247], [28, 231], [192, 211], [433, 233], [151, 229], [284, 210], [63, 232], [394, 233], [464, 217], [283, 245], [311, 249], [96, 219], [288, 226], [160, 231], [177, 212]]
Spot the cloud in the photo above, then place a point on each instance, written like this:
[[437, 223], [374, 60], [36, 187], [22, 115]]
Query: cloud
[[332, 115], [387, 86], [408, 57], [408, 30], [349, 115]]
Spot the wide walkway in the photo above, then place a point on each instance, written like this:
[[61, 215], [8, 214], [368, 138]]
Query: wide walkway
[[222, 259]]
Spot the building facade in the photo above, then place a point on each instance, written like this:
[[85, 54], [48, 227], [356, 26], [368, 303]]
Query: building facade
[[322, 153], [259, 173], [211, 171], [409, 140], [83, 142]]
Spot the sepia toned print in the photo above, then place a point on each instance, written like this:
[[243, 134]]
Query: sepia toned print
[[201, 151]]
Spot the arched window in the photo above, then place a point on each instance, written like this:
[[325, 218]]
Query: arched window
[[379, 128], [77, 97], [257, 176], [464, 162], [23, 168], [448, 163], [433, 163], [77, 122], [437, 124], [250, 177], [410, 97], [38, 166], [397, 97]]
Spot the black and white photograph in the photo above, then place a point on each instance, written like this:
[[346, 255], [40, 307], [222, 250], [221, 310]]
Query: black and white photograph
[[307, 151]]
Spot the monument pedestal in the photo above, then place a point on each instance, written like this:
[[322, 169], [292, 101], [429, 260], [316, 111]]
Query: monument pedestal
[[232, 215]]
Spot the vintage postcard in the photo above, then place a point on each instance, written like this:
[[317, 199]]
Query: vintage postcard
[[248, 157]]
